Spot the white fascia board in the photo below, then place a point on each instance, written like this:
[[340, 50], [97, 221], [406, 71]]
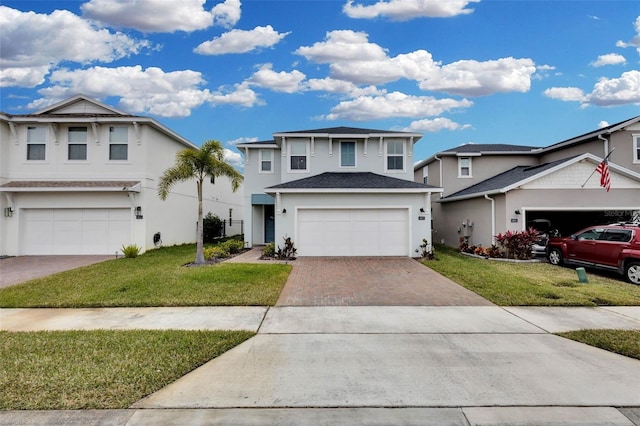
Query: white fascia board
[[470, 196], [77, 98], [71, 189], [417, 136], [257, 145], [352, 190]]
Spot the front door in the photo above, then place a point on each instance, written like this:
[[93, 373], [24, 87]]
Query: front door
[[269, 224]]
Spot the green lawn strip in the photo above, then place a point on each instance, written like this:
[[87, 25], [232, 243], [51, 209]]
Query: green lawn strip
[[100, 369], [623, 342], [156, 278], [531, 284]]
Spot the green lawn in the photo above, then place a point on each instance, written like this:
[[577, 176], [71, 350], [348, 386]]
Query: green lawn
[[100, 369], [156, 278], [624, 342], [531, 284]]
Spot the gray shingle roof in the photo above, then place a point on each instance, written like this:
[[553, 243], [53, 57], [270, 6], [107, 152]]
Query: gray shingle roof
[[505, 179], [356, 180], [497, 147], [69, 184], [341, 130]]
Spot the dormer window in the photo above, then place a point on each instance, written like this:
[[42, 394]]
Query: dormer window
[[36, 143], [298, 156], [464, 167], [395, 156], [347, 154]]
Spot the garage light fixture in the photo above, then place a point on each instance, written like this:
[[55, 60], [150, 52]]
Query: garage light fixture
[[421, 209], [138, 212], [517, 212], [8, 212], [284, 211]]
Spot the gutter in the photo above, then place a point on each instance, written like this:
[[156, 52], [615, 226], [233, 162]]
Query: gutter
[[493, 218], [606, 145]]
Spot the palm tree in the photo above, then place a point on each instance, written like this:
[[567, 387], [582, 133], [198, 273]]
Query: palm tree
[[199, 164]]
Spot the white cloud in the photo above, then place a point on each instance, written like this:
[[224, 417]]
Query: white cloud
[[233, 158], [287, 82], [32, 44], [635, 41], [603, 124], [353, 58], [394, 104], [565, 93], [617, 91], [153, 91], [244, 139], [162, 15], [473, 78], [240, 41], [435, 125], [606, 92], [402, 10], [609, 59], [331, 85]]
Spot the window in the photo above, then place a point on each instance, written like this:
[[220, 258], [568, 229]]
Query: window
[[118, 143], [636, 148], [395, 155], [77, 143], [464, 167], [266, 161], [298, 156], [36, 143], [617, 235], [347, 154], [425, 175]]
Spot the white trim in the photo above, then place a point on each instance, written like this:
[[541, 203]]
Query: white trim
[[260, 160], [460, 175], [307, 155], [404, 156], [636, 148]]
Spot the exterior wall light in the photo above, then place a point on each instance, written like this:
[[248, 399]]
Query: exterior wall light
[[8, 212]]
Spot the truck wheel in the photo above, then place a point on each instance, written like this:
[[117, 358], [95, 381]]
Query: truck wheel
[[555, 257], [632, 272]]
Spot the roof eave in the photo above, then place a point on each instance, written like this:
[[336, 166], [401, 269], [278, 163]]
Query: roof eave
[[351, 190]]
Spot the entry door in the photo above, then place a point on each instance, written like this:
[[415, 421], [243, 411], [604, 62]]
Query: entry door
[[269, 224]]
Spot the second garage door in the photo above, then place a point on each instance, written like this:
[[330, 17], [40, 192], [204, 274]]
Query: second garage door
[[75, 231], [353, 232]]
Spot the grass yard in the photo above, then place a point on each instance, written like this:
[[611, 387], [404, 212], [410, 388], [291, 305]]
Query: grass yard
[[100, 369], [531, 284], [624, 342], [156, 278]]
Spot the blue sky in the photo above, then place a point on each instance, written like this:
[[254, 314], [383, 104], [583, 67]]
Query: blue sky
[[459, 71]]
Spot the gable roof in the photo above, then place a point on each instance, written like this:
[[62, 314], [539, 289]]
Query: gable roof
[[520, 175], [96, 107], [351, 182]]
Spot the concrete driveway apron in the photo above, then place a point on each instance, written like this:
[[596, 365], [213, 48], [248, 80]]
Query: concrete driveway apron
[[353, 334]]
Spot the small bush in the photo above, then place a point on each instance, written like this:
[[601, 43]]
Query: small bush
[[233, 246], [288, 252], [218, 252], [269, 250], [131, 251], [211, 228]]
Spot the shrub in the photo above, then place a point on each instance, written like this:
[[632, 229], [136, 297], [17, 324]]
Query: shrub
[[233, 246], [288, 252], [218, 252], [517, 245], [269, 250], [211, 228], [131, 251]]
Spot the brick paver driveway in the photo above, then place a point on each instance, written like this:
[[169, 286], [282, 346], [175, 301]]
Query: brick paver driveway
[[371, 281], [14, 270]]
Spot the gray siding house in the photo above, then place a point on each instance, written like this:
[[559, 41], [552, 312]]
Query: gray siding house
[[337, 192], [491, 188]]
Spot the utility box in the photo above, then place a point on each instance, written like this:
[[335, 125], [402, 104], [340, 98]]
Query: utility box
[[582, 275]]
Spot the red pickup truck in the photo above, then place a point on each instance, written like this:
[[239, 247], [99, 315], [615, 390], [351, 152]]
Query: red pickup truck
[[612, 247]]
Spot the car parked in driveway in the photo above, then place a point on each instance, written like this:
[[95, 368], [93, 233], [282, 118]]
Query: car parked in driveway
[[611, 247]]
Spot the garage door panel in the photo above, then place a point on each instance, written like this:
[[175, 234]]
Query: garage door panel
[[75, 231], [353, 232]]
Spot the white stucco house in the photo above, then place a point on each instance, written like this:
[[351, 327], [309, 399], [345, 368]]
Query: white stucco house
[[80, 177], [337, 192]]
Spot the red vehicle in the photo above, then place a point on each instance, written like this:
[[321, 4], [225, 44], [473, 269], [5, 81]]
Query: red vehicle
[[611, 247]]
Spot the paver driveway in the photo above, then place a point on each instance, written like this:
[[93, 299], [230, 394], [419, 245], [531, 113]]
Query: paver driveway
[[371, 281]]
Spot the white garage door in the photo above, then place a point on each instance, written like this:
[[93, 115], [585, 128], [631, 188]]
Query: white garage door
[[75, 231], [353, 232]]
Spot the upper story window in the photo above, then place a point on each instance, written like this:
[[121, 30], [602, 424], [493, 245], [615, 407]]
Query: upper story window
[[464, 167], [118, 143], [77, 143], [636, 149], [425, 175], [395, 155], [36, 143], [347, 154], [266, 161], [298, 156]]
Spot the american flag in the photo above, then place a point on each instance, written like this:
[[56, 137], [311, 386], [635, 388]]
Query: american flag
[[605, 179]]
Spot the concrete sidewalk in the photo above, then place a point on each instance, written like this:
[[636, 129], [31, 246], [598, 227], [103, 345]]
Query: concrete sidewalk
[[430, 365]]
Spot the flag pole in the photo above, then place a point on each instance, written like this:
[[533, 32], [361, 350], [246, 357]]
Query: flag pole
[[593, 172]]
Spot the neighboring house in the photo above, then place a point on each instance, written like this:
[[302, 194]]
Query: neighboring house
[[489, 189], [337, 192], [80, 177]]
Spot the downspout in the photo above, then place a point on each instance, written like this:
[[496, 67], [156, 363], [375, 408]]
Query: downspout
[[606, 145], [440, 170], [493, 218]]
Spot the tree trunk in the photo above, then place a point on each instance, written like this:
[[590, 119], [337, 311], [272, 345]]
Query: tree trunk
[[200, 236]]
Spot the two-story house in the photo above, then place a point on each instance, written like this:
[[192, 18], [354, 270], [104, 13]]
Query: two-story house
[[337, 192], [491, 188], [80, 177]]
